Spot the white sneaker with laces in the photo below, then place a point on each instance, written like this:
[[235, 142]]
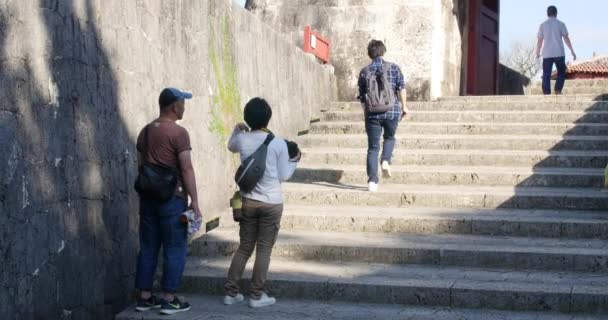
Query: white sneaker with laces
[[264, 301], [386, 169], [228, 300], [372, 187]]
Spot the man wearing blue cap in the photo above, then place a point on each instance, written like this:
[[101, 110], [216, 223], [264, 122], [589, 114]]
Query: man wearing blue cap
[[163, 143]]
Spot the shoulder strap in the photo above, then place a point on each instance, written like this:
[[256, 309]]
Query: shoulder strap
[[269, 138]]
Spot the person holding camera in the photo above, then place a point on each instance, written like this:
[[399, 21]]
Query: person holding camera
[[262, 207]]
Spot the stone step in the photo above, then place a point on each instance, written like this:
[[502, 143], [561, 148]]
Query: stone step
[[395, 195], [445, 249], [484, 116], [210, 307], [500, 222], [492, 128], [460, 175], [564, 159], [456, 105], [528, 98], [501, 289], [578, 83], [460, 142], [568, 89]]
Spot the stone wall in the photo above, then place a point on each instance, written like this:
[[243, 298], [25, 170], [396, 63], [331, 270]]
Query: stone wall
[[511, 82], [423, 36], [78, 80]]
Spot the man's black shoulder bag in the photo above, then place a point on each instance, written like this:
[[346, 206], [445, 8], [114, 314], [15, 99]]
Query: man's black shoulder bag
[[155, 181]]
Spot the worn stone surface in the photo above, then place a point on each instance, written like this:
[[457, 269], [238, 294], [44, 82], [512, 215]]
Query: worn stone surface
[[209, 307], [423, 37], [79, 80], [438, 157]]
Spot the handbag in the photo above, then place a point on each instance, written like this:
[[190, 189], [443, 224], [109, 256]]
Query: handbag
[[155, 181]]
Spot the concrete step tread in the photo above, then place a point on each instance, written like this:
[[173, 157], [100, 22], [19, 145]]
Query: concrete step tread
[[455, 190], [325, 150], [419, 276], [210, 307], [466, 137], [490, 124], [463, 169], [539, 97], [421, 213], [443, 242], [475, 112]]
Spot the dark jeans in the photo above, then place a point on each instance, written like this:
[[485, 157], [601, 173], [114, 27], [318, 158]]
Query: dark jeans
[[374, 128], [159, 224], [560, 63], [259, 228]]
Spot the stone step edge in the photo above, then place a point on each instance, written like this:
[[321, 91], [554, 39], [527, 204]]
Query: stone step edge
[[211, 307], [494, 170], [453, 293], [425, 242]]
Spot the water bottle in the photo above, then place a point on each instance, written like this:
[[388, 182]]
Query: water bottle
[[236, 204]]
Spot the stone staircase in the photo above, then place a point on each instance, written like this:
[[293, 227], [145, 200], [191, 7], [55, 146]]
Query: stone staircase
[[495, 210]]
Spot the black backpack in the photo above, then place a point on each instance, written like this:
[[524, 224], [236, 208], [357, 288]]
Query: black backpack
[[252, 169]]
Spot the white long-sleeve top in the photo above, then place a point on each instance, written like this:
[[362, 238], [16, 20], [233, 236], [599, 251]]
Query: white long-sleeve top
[[279, 168]]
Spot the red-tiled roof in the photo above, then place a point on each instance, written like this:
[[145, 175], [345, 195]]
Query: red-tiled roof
[[595, 65]]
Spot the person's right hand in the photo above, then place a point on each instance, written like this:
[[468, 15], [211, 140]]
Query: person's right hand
[[197, 211], [574, 56], [241, 127]]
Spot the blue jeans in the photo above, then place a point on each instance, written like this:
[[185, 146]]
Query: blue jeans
[[560, 64], [374, 128], [159, 224]]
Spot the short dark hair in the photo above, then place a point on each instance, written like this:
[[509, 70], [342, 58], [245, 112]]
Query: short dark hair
[[375, 49], [257, 113], [552, 11]]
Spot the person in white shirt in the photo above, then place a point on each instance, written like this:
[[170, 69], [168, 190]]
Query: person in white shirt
[[550, 36], [262, 207]]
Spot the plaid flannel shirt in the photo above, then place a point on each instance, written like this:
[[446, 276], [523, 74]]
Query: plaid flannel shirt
[[397, 80]]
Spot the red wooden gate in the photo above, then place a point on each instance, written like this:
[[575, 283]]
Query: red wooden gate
[[483, 49]]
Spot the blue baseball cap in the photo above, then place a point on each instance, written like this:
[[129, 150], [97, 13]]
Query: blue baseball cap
[[170, 95]]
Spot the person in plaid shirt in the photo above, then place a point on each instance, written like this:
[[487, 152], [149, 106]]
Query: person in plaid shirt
[[376, 123]]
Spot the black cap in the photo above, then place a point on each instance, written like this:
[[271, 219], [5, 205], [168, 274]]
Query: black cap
[[170, 95]]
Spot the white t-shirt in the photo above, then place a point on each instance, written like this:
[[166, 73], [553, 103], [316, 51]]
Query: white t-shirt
[[552, 32], [278, 166]]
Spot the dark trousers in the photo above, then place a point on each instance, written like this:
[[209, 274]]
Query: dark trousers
[[560, 63], [159, 224], [260, 225], [374, 129]]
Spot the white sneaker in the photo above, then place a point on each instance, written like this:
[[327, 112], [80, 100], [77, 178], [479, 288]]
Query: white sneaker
[[386, 169], [228, 300], [372, 187], [264, 301]]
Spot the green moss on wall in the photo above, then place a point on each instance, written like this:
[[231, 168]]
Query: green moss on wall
[[226, 100]]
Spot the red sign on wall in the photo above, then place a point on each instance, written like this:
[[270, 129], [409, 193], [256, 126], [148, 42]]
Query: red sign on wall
[[316, 44]]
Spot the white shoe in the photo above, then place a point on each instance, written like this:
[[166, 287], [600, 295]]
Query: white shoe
[[264, 301], [228, 300], [386, 169], [372, 187]]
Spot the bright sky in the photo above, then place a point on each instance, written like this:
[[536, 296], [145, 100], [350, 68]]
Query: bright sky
[[585, 19]]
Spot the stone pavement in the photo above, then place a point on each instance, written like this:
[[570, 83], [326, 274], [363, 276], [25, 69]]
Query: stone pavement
[[207, 307]]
